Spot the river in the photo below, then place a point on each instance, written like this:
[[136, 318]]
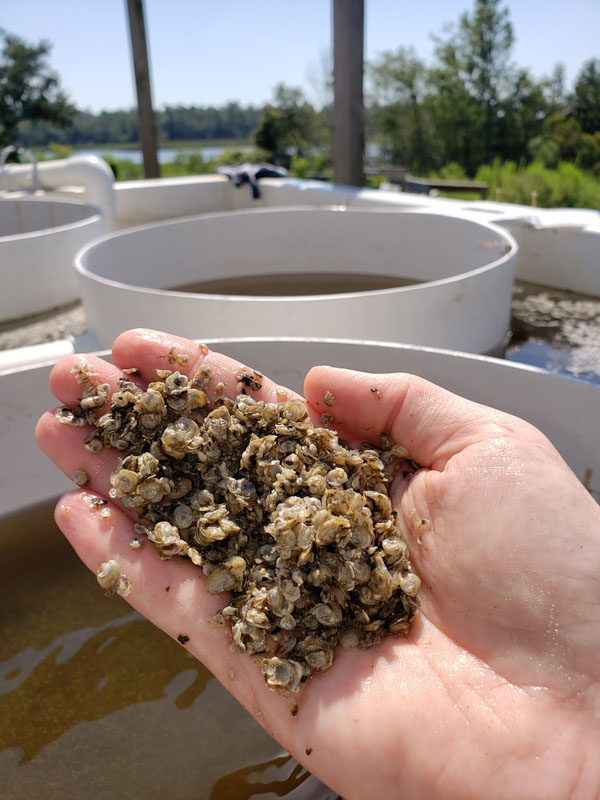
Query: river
[[166, 154]]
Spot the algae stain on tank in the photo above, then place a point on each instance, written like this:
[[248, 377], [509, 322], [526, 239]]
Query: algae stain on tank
[[96, 701]]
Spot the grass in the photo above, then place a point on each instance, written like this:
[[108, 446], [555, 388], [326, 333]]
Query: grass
[[567, 186]]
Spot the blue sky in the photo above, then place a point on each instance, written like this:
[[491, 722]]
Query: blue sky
[[208, 53]]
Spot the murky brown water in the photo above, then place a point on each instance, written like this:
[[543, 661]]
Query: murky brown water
[[296, 284], [96, 702]]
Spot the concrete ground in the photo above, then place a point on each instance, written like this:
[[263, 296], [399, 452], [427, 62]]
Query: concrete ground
[[47, 327]]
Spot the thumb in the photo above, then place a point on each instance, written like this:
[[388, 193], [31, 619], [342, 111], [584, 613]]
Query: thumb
[[432, 423]]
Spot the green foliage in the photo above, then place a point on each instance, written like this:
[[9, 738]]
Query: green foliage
[[318, 166], [289, 126], [589, 153], [472, 106], [586, 109], [53, 152], [399, 84], [237, 156], [375, 181], [566, 187], [29, 90], [174, 124], [451, 172], [57, 150], [123, 168], [472, 76]]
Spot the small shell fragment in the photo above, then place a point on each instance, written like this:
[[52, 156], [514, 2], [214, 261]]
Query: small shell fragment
[[328, 398], [80, 477], [177, 358], [246, 378], [111, 579]]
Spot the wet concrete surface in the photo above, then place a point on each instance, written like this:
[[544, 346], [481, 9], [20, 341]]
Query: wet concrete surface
[[47, 327], [556, 330], [550, 328]]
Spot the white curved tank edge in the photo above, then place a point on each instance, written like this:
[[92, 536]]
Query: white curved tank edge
[[33, 355], [465, 267], [39, 239]]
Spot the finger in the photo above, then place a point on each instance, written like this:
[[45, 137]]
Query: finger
[[432, 423], [64, 445], [151, 350], [66, 382], [172, 594]]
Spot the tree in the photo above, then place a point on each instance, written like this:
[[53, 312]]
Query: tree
[[586, 106], [472, 74], [520, 116], [399, 83], [29, 90], [289, 126]]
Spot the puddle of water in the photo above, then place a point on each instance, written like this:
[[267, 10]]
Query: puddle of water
[[97, 702], [537, 353], [556, 330]]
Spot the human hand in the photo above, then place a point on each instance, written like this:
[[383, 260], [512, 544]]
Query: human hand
[[495, 690]]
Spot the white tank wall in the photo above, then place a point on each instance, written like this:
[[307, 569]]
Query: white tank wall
[[140, 202], [465, 305], [554, 253], [566, 410], [38, 243], [562, 257]]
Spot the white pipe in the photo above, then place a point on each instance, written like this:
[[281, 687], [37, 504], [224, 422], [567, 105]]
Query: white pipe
[[32, 355], [90, 172]]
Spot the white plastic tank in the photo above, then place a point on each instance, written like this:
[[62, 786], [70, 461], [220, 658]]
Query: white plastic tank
[[399, 276], [38, 242]]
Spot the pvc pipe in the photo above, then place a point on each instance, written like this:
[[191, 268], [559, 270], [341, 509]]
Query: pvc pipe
[[31, 355], [91, 172]]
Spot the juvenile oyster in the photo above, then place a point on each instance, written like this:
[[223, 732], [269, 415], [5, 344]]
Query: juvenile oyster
[[111, 579], [297, 526]]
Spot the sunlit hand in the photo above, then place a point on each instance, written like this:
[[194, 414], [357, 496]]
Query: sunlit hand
[[495, 692]]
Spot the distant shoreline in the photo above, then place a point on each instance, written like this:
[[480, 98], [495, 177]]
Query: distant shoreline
[[183, 144]]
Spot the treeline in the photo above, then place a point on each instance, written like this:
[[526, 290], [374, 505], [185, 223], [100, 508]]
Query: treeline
[[174, 123], [470, 106]]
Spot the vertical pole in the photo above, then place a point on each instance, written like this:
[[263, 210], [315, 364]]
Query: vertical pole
[[348, 108], [146, 121]]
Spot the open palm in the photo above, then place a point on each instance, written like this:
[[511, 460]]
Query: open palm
[[495, 691]]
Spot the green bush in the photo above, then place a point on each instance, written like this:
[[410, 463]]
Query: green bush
[[317, 166], [123, 168], [187, 162], [567, 186], [237, 156]]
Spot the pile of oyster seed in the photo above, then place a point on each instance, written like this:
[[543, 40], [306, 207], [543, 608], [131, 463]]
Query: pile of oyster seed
[[299, 528]]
